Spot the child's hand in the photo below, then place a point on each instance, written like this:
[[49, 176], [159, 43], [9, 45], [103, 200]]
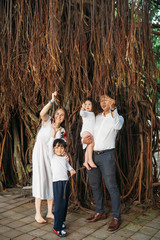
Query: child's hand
[[66, 157], [55, 130], [83, 107], [72, 172]]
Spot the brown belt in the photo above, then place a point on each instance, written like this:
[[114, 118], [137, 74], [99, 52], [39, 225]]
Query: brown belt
[[101, 152]]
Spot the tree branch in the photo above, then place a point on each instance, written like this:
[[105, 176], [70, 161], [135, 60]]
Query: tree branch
[[155, 25], [155, 32]]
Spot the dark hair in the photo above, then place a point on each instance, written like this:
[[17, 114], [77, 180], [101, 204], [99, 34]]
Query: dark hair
[[64, 124], [60, 142], [108, 93], [92, 101]]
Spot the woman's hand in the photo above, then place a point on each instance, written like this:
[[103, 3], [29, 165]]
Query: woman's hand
[[44, 112], [54, 96]]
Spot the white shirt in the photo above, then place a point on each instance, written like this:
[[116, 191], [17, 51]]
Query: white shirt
[[59, 165], [88, 119], [106, 129]]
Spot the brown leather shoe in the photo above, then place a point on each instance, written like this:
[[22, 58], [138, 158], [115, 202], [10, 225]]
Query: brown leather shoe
[[114, 225], [97, 217]]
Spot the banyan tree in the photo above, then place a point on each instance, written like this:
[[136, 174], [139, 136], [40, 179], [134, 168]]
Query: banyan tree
[[81, 48]]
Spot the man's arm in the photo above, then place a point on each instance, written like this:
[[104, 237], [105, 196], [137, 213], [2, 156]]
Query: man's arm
[[117, 120], [88, 139]]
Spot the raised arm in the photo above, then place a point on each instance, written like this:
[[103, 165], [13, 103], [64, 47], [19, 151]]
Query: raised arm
[[83, 113], [117, 120], [50, 144], [44, 112]]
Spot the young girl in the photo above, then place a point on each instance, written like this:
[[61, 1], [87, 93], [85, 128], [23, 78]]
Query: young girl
[[61, 188], [88, 119]]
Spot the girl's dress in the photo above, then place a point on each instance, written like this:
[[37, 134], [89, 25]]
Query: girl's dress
[[88, 122], [41, 171]]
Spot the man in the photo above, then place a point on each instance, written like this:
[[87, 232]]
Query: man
[[105, 131]]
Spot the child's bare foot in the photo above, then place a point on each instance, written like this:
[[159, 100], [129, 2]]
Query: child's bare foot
[[86, 165], [39, 219], [91, 163], [50, 216]]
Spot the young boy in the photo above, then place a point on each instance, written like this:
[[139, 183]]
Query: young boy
[[61, 188]]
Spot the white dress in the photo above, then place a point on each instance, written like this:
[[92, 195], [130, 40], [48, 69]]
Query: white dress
[[41, 171], [88, 122]]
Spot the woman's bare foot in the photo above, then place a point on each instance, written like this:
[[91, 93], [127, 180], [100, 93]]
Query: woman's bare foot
[[91, 163], [50, 216], [39, 219], [86, 165]]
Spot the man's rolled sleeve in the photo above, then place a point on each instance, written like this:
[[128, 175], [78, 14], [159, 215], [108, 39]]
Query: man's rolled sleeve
[[117, 120]]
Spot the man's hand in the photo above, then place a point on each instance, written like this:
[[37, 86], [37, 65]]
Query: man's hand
[[88, 139], [111, 103]]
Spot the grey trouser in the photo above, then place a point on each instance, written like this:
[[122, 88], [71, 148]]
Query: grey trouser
[[106, 166]]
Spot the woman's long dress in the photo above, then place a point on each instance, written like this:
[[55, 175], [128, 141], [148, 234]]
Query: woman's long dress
[[41, 171]]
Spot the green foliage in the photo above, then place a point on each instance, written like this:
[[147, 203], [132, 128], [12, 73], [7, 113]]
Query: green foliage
[[155, 16]]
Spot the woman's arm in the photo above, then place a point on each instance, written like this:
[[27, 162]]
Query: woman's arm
[[44, 112]]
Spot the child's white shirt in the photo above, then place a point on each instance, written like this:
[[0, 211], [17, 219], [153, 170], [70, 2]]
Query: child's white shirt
[[59, 165], [88, 119]]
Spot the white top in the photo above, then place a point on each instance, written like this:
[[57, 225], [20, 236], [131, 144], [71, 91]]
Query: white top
[[106, 129], [41, 169], [59, 165], [88, 119]]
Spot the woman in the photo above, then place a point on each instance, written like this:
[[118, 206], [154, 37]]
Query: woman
[[41, 174]]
